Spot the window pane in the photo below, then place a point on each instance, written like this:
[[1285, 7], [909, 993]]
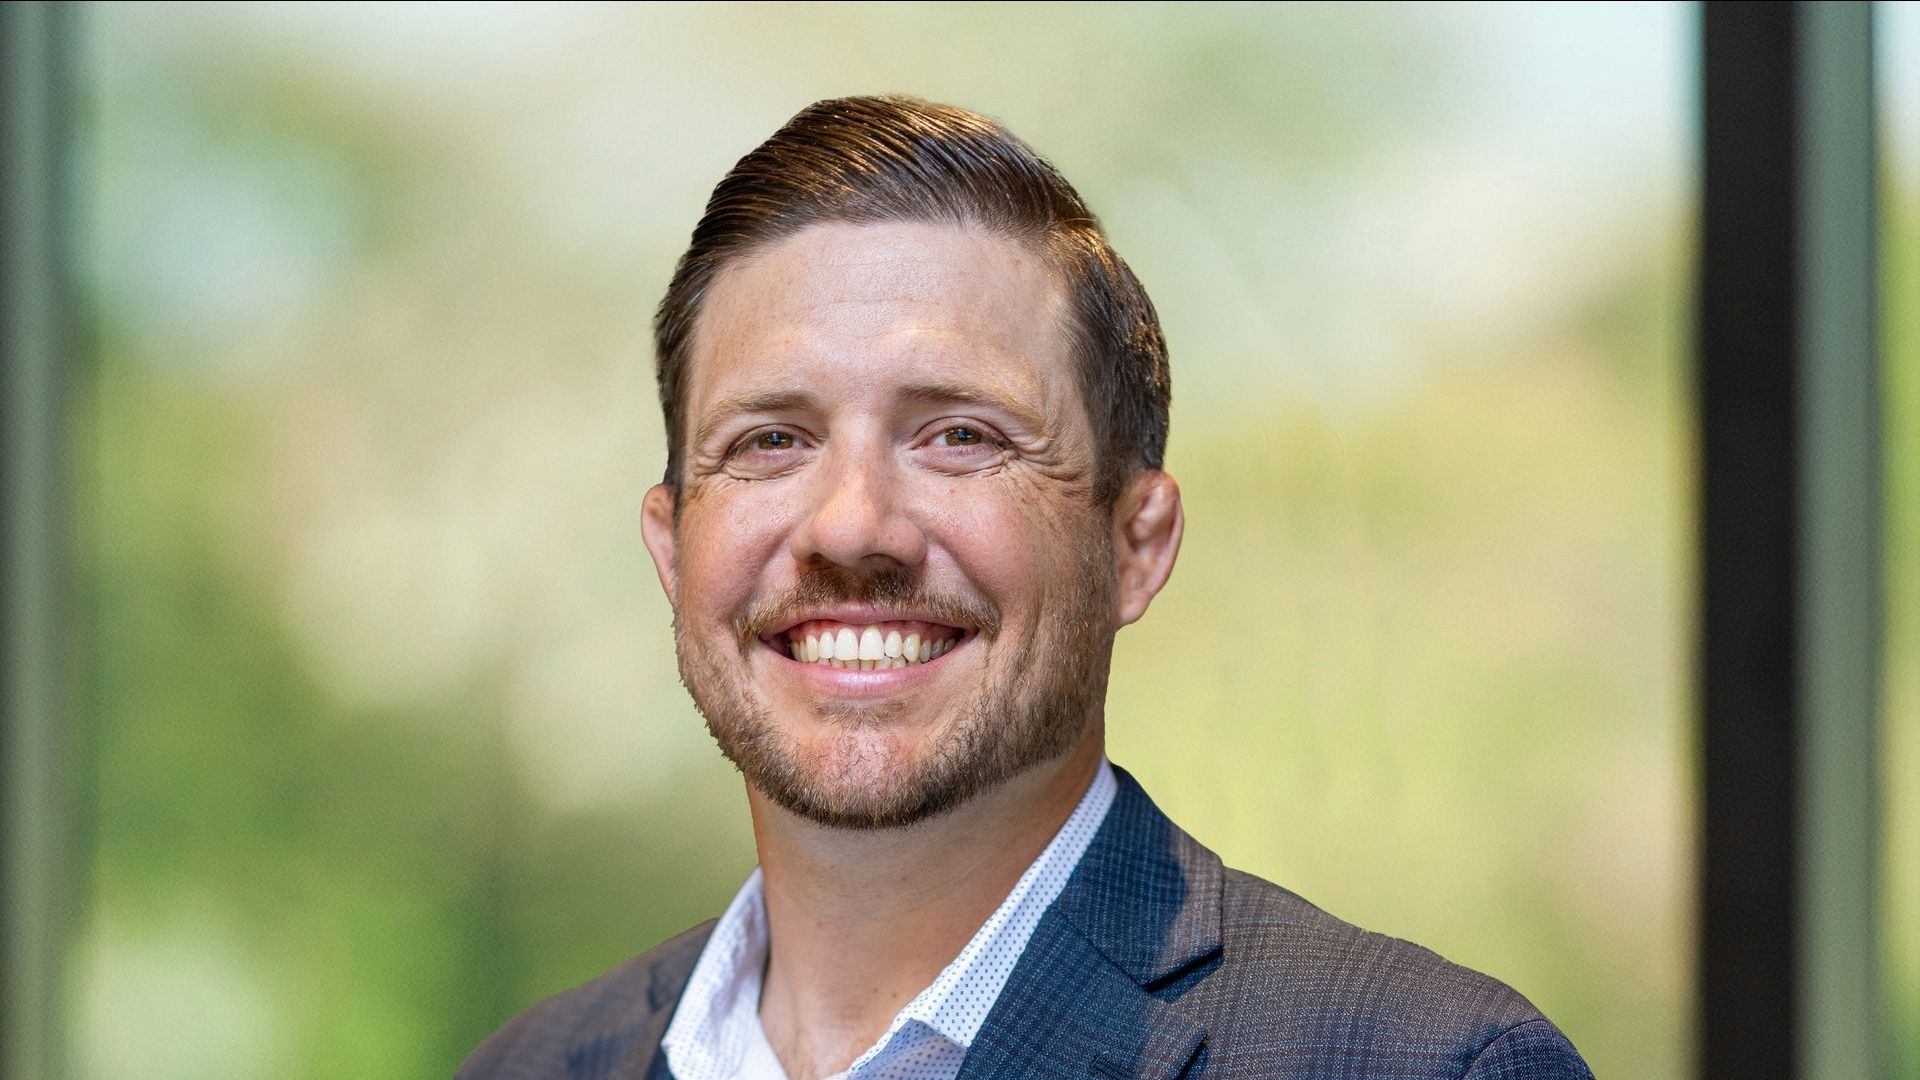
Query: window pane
[[1897, 34], [390, 739]]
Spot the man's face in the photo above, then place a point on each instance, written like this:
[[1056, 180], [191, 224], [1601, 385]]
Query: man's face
[[887, 456]]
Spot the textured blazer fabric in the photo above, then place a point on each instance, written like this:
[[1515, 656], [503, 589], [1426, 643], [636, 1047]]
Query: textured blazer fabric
[[1155, 962]]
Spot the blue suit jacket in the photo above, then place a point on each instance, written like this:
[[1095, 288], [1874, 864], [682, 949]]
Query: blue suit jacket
[[1155, 962]]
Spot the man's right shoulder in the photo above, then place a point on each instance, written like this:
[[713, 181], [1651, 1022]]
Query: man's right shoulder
[[596, 1028]]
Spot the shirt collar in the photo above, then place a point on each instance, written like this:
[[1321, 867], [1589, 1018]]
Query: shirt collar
[[718, 1016], [708, 1037]]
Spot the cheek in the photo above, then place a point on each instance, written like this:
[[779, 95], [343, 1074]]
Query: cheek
[[728, 550], [1018, 548]]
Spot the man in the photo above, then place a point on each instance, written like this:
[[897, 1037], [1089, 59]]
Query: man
[[916, 408]]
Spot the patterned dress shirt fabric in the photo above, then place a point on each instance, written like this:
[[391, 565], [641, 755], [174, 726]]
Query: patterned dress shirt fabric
[[716, 1032]]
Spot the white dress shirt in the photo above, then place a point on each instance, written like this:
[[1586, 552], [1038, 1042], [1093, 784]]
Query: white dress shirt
[[716, 1035]]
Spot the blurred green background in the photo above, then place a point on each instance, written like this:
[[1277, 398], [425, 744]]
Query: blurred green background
[[388, 739]]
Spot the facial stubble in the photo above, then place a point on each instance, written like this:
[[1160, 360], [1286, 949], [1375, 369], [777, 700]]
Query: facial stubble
[[1026, 712]]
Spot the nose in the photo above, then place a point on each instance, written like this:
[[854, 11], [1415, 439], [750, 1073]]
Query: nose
[[858, 515]]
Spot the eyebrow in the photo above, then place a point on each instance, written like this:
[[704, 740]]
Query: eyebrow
[[770, 401], [937, 392], [943, 393]]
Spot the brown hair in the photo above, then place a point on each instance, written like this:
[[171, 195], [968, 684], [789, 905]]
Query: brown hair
[[867, 160]]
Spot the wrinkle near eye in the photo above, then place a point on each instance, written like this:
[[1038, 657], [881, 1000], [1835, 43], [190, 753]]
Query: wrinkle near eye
[[1065, 463]]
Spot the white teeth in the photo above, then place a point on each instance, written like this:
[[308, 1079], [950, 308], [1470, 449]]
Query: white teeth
[[868, 648]]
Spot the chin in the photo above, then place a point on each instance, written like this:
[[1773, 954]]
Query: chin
[[861, 775]]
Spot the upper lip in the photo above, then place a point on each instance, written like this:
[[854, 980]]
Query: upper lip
[[856, 615]]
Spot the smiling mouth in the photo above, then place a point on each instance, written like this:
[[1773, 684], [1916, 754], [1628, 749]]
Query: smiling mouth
[[869, 647]]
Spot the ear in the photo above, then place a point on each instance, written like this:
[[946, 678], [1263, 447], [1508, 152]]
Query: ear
[[1147, 524], [656, 528]]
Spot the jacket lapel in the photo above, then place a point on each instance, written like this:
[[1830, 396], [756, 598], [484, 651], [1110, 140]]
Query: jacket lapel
[[1141, 911], [624, 1043], [1067, 1011]]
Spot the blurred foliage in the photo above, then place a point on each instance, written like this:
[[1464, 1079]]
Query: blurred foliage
[[389, 739]]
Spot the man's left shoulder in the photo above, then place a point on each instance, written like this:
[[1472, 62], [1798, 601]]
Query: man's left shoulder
[[1297, 982]]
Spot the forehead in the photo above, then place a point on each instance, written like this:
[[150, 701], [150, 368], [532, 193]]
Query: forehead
[[849, 305]]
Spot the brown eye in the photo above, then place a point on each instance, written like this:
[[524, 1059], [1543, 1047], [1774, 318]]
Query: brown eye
[[961, 436], [773, 440]]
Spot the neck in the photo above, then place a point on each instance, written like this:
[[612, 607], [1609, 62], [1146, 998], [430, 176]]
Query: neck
[[860, 921]]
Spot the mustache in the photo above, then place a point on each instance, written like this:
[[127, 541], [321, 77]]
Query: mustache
[[822, 585]]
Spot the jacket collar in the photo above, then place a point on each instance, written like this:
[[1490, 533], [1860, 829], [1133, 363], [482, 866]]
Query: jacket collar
[[1141, 910], [617, 1035], [1146, 894]]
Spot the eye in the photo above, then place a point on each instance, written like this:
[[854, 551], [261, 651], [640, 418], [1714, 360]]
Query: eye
[[958, 446], [767, 452]]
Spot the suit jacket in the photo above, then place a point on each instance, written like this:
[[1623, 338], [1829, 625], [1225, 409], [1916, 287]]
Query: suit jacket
[[1155, 962]]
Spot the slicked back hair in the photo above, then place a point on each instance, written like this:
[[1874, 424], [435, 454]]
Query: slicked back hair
[[872, 160]]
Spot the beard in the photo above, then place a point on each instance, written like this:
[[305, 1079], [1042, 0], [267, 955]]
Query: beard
[[1030, 708]]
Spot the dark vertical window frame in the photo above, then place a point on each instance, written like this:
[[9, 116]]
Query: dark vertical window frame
[[1791, 598], [36, 347]]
